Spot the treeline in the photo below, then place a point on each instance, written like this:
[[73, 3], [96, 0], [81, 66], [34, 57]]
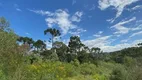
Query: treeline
[[75, 50], [60, 51]]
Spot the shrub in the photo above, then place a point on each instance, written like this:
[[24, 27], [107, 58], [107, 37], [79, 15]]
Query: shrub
[[119, 73]]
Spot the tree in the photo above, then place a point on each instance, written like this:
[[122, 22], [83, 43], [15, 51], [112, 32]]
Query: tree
[[21, 39], [75, 44], [39, 45], [54, 33], [140, 44], [4, 24], [84, 54], [95, 51], [30, 42], [26, 40], [61, 50]]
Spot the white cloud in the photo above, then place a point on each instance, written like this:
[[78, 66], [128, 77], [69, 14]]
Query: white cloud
[[27, 33], [98, 42], [105, 44], [18, 9], [120, 46], [61, 18], [121, 29], [48, 44], [125, 40], [42, 12], [77, 32], [137, 7], [77, 16], [119, 5], [137, 33], [98, 34], [110, 20], [136, 28]]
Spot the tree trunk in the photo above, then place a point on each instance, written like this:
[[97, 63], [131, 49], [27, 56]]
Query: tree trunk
[[52, 41]]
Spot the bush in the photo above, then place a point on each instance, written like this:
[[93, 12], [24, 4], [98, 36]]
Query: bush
[[119, 73], [87, 69]]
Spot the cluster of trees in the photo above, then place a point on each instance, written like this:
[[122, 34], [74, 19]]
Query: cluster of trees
[[75, 49], [59, 51]]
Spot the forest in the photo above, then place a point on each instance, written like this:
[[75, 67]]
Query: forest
[[22, 58]]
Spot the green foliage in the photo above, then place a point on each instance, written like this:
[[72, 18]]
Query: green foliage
[[75, 62], [10, 55], [119, 73], [88, 69], [39, 45], [61, 50], [75, 44], [129, 61], [4, 24], [54, 33]]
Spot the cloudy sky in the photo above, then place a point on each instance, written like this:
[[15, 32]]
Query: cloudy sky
[[109, 24]]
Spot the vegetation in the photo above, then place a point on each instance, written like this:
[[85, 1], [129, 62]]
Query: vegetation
[[22, 58]]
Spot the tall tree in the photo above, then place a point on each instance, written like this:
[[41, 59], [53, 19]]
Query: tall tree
[[140, 44], [30, 42], [75, 44], [4, 24], [61, 50], [95, 51], [39, 45], [54, 33], [25, 40]]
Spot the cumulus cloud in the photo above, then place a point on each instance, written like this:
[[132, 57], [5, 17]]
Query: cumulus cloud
[[119, 5], [121, 29], [61, 18]]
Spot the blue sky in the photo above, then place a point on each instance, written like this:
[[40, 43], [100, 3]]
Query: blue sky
[[109, 24]]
